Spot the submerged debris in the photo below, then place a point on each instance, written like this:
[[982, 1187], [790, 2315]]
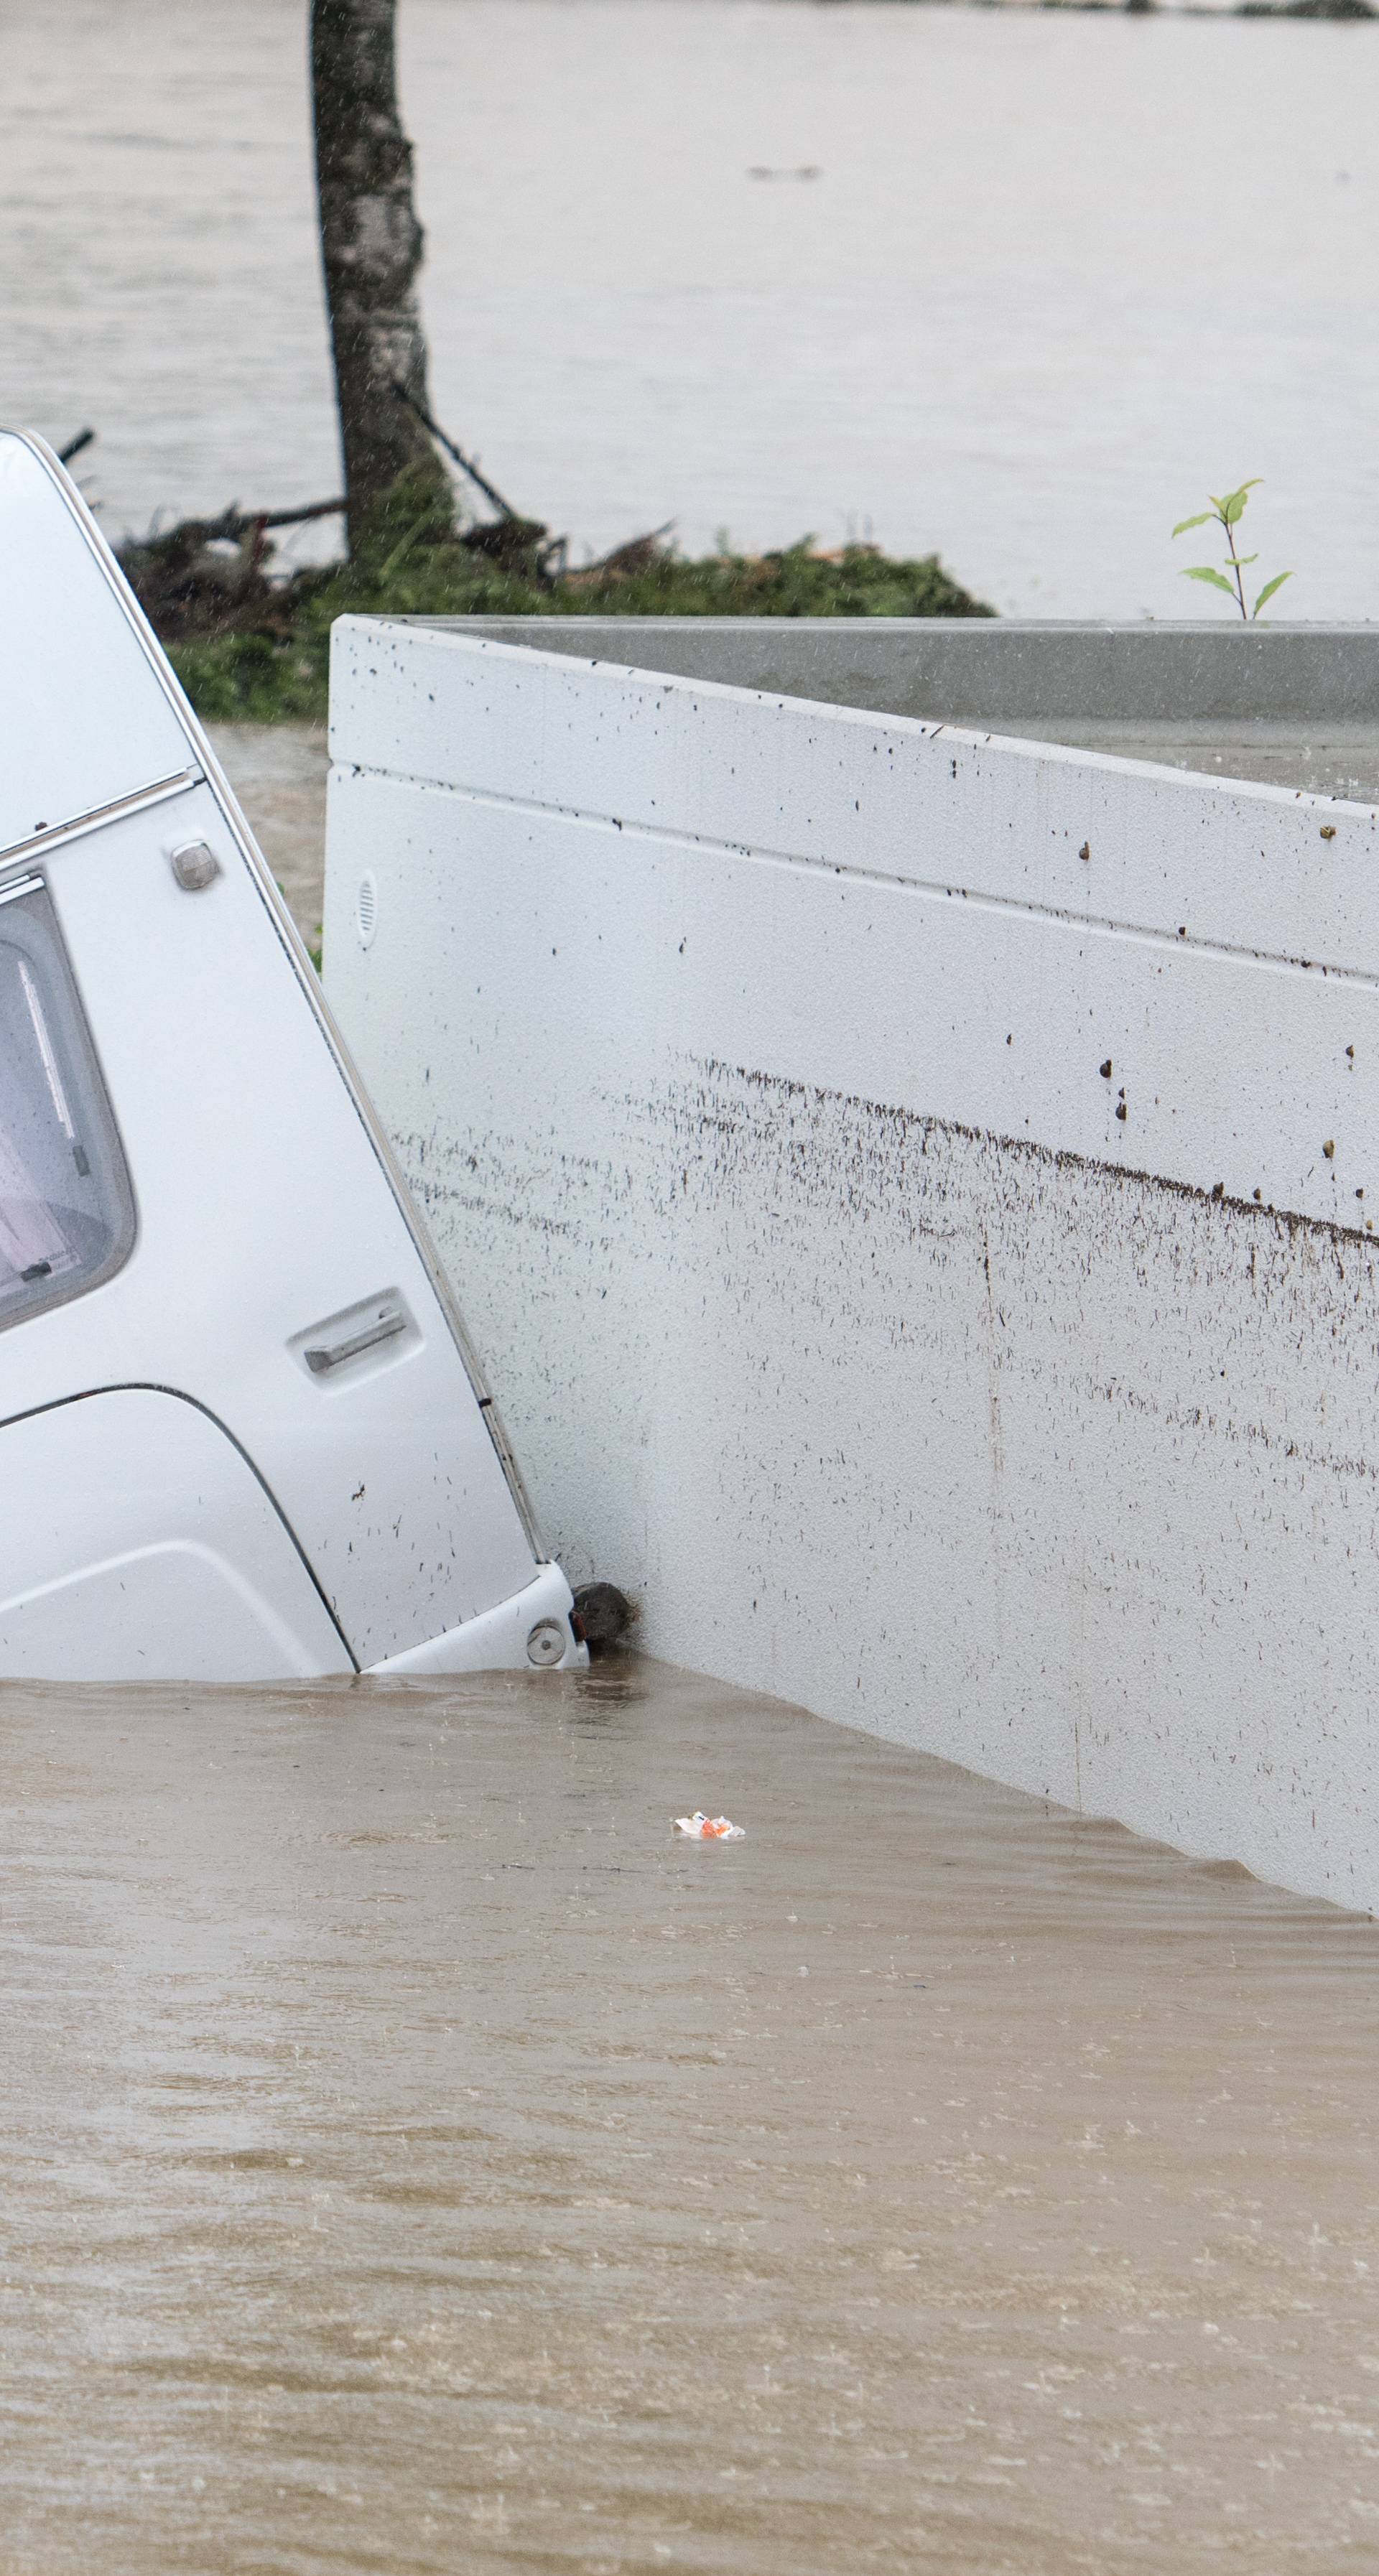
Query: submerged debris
[[604, 1614]]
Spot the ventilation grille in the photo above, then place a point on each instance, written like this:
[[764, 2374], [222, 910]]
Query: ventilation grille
[[366, 911]]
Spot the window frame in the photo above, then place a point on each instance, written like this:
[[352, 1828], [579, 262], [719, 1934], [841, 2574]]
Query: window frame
[[68, 1030]]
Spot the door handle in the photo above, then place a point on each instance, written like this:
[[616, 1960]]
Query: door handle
[[322, 1357]]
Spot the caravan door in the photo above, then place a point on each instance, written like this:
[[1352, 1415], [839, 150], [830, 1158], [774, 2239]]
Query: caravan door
[[196, 1206]]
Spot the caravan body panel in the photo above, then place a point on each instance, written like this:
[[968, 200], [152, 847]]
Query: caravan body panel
[[136, 1536], [271, 1271], [85, 722]]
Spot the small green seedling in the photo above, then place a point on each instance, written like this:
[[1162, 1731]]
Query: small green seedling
[[1227, 513]]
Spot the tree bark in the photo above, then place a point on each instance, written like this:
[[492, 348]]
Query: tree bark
[[371, 246]]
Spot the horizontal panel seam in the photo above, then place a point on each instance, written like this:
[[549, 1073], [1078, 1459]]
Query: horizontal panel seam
[[1020, 907], [137, 802]]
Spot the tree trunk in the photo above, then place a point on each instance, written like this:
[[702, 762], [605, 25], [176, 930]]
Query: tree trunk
[[371, 244]]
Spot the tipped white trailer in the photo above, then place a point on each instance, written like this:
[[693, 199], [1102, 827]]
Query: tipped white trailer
[[243, 1434], [919, 1183]]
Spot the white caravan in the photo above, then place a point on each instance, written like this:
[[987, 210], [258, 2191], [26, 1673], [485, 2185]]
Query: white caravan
[[242, 1434]]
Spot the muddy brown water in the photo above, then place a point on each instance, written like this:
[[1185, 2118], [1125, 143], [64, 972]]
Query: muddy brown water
[[415, 2159]]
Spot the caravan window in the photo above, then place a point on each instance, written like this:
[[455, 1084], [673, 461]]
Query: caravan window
[[66, 1210]]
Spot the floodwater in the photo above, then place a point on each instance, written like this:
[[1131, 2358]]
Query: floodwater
[[417, 2160], [1022, 286]]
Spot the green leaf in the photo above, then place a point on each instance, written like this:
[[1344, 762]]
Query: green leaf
[[1208, 572], [1268, 591], [1234, 502], [1199, 522]]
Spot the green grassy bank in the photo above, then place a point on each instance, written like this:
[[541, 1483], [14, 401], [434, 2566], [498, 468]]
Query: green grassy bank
[[260, 653]]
